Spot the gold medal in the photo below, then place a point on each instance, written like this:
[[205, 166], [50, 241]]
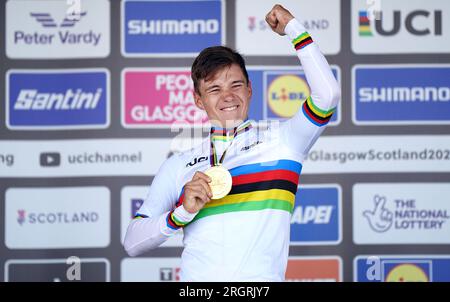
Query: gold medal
[[221, 181]]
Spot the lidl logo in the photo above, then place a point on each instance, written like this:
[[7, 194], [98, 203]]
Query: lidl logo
[[286, 94], [279, 93], [402, 268], [408, 272]]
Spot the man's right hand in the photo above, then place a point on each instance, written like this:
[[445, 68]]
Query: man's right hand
[[197, 192]]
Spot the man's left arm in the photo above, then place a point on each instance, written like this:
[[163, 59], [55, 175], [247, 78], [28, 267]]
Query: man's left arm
[[302, 130]]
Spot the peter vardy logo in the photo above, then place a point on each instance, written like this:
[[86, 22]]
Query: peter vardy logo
[[158, 28], [46, 20], [316, 218], [401, 94], [59, 99], [57, 29]]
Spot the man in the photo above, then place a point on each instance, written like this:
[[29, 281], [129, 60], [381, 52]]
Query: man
[[235, 208]]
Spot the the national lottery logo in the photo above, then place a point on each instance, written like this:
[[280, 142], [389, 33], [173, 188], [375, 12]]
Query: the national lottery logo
[[403, 214], [159, 99]]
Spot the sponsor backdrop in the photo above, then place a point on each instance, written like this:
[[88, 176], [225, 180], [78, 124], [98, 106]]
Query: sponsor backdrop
[[97, 94]]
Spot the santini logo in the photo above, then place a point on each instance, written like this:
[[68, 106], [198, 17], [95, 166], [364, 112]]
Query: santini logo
[[32, 99]]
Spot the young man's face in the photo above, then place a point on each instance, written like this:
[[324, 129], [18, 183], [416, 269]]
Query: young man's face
[[225, 97]]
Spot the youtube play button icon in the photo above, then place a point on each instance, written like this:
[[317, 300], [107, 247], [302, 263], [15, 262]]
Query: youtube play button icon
[[50, 159]]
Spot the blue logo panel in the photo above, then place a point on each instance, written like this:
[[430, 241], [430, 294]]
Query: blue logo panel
[[68, 99], [316, 216], [172, 27], [402, 269], [401, 94]]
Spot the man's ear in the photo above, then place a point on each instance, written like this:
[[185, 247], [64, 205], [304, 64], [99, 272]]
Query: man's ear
[[198, 101], [250, 89]]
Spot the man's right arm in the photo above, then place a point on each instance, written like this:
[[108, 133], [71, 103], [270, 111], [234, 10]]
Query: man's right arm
[[161, 214]]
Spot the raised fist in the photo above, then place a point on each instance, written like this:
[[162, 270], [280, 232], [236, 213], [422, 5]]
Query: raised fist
[[278, 18]]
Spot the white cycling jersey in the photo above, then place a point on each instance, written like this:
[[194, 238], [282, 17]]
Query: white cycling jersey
[[245, 235]]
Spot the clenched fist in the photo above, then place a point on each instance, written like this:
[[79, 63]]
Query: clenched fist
[[197, 192], [278, 18]]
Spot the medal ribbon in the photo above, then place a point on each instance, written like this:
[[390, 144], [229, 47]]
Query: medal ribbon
[[224, 135]]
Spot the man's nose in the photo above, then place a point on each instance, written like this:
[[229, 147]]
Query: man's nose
[[227, 95]]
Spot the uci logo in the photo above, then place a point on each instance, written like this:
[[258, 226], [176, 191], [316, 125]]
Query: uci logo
[[286, 94], [418, 23], [196, 161]]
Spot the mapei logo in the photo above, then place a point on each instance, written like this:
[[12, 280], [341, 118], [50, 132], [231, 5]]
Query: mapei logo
[[317, 216], [46, 29], [169, 28], [402, 268], [57, 99]]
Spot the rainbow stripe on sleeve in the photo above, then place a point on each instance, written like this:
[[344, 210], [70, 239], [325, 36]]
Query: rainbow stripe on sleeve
[[302, 41], [316, 115]]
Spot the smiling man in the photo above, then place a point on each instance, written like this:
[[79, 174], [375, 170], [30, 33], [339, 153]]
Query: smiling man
[[235, 207]]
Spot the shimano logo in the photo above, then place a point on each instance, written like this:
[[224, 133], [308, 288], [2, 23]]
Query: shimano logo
[[404, 94], [173, 27], [32, 99]]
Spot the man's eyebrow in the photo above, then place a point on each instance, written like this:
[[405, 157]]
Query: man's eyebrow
[[238, 81]]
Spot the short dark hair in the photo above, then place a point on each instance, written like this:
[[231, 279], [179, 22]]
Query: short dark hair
[[212, 59]]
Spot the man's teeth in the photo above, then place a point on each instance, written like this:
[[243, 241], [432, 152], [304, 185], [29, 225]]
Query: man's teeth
[[229, 108]]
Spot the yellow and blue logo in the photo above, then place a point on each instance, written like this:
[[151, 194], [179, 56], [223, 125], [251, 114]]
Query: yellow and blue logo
[[285, 95], [407, 272]]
